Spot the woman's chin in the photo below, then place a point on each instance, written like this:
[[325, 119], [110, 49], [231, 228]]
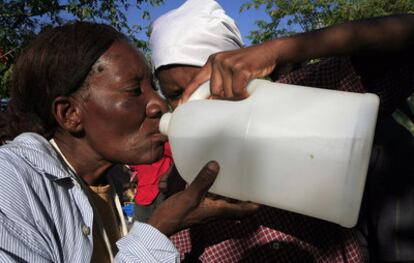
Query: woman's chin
[[155, 154]]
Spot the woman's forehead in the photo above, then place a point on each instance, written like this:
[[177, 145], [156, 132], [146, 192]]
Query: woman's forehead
[[122, 60], [122, 63]]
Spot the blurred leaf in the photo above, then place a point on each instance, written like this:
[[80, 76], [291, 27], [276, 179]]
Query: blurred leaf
[[404, 120], [5, 80], [145, 15], [410, 103]]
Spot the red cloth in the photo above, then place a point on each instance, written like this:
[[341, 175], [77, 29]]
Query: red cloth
[[149, 176]]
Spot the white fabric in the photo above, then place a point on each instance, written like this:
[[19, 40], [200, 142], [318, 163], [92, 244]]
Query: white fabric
[[191, 33]]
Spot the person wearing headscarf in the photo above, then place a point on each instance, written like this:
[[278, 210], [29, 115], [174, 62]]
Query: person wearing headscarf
[[182, 41], [189, 34]]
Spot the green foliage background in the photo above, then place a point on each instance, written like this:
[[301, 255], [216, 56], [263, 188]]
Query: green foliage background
[[291, 16]]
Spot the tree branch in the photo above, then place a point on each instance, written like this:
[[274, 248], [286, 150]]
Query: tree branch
[[42, 12]]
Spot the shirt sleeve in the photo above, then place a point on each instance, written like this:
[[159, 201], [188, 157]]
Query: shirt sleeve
[[145, 243]]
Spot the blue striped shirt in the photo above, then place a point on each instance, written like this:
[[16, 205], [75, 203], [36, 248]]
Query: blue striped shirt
[[46, 217]]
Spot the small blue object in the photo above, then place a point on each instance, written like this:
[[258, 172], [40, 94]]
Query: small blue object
[[128, 209]]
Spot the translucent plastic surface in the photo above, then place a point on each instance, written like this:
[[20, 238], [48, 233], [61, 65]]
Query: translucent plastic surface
[[297, 148]]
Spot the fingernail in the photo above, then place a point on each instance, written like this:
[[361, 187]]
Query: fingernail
[[213, 166]]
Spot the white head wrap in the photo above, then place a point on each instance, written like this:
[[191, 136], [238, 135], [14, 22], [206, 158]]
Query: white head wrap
[[191, 33]]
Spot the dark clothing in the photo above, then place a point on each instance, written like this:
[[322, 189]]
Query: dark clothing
[[387, 214]]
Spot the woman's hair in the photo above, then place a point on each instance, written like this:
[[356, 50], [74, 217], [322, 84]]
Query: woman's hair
[[54, 64]]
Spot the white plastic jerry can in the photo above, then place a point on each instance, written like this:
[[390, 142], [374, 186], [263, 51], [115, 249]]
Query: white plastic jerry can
[[296, 148]]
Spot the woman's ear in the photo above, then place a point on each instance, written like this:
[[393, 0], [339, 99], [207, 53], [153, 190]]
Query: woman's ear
[[68, 114]]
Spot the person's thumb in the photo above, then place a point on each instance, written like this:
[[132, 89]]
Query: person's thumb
[[202, 183]]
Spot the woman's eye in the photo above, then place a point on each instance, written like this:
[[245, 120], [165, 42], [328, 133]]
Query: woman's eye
[[137, 91], [175, 96]]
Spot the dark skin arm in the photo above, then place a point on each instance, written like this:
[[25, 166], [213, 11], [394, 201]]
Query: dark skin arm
[[191, 206], [229, 72]]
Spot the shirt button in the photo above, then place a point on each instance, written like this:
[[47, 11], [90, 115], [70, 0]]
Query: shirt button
[[86, 230]]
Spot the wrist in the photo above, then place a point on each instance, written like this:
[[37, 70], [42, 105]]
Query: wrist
[[286, 51], [275, 49], [161, 226]]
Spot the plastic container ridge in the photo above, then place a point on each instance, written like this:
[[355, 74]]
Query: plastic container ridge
[[296, 148]]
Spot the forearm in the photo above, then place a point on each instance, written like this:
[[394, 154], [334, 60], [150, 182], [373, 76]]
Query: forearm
[[371, 36]]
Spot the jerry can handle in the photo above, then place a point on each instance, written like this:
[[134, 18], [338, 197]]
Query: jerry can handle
[[203, 92]]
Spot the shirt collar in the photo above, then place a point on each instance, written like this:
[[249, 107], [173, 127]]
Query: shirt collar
[[37, 151]]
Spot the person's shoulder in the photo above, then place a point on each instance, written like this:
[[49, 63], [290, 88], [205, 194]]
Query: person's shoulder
[[27, 164], [20, 158], [22, 145]]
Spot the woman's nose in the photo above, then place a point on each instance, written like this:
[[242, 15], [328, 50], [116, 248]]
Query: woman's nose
[[156, 107]]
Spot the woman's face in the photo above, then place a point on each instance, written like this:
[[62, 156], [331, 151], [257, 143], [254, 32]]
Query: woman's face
[[120, 108], [173, 81]]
